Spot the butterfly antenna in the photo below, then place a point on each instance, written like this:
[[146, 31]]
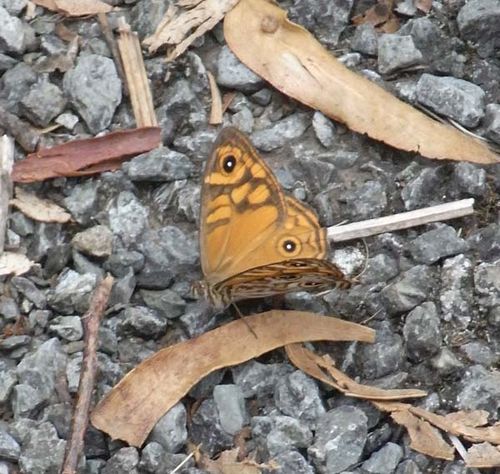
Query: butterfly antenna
[[367, 252], [247, 324]]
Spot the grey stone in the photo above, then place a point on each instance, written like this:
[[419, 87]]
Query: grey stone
[[160, 164], [409, 290], [422, 332], [146, 15], [486, 241], [13, 342], [17, 83], [123, 460], [379, 268], [109, 372], [456, 295], [455, 98], [408, 467], [324, 129], [262, 97], [406, 8], [206, 429], [121, 262], [43, 451], [234, 74], [9, 447], [59, 414], [95, 241], [480, 390], [8, 380], [365, 40], [84, 265], [12, 33], [492, 122], [385, 356], [286, 433], [44, 102], [255, 378], [41, 368], [243, 120], [152, 458], [47, 236], [67, 327], [183, 197], [94, 466], [170, 431], [487, 283], [167, 302], [8, 308], [480, 353], [324, 18], [30, 291], [446, 363], [435, 244], [470, 179], [197, 145], [397, 52], [367, 200], [339, 441], [168, 251], [67, 120], [82, 201], [94, 90], [281, 132], [6, 62], [385, 460], [291, 461], [298, 395], [21, 224], [479, 22], [198, 318], [142, 321], [318, 174], [127, 217], [123, 289], [420, 191], [14, 7], [230, 404], [72, 292]]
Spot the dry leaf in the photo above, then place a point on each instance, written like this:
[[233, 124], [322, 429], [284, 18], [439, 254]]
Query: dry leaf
[[87, 156], [424, 5], [483, 455], [322, 368], [424, 438], [75, 8], [216, 107], [132, 408], [227, 463], [376, 15], [14, 264], [176, 27], [38, 209], [290, 58]]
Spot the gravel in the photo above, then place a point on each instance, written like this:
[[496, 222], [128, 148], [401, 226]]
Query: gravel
[[432, 293]]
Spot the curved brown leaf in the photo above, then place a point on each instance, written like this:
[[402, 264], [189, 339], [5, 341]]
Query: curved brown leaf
[[132, 408], [293, 61]]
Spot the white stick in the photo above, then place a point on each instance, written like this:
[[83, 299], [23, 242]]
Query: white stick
[[6, 162], [357, 230]]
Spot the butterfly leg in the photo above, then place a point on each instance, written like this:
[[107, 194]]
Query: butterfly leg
[[247, 324]]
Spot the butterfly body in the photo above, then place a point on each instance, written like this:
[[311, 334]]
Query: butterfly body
[[255, 241]]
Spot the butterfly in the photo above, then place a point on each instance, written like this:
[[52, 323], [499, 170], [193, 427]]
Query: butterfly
[[256, 241]]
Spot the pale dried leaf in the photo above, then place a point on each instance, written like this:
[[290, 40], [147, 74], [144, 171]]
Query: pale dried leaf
[[473, 418], [48, 4], [216, 106], [483, 455], [424, 5], [291, 59], [82, 7], [38, 209], [14, 264], [424, 437], [180, 27], [131, 409]]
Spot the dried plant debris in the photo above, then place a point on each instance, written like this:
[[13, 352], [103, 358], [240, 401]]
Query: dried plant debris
[[184, 23], [38, 209], [381, 16], [87, 156], [72, 8]]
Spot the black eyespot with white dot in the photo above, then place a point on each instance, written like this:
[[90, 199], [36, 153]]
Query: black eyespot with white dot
[[289, 246], [228, 164]]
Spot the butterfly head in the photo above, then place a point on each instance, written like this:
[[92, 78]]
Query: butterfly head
[[202, 290]]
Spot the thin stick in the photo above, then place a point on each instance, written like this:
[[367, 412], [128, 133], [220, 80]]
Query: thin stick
[[6, 162], [357, 230], [216, 107], [79, 423]]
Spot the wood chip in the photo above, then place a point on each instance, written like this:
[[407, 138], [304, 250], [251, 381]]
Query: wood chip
[[41, 210], [14, 264], [216, 107]]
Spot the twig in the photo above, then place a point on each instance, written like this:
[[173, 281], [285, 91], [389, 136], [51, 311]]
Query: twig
[[6, 162], [216, 107], [357, 230], [183, 462], [79, 423], [135, 73]]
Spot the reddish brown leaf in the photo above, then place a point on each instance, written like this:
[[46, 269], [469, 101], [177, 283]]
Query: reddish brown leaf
[[87, 156]]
